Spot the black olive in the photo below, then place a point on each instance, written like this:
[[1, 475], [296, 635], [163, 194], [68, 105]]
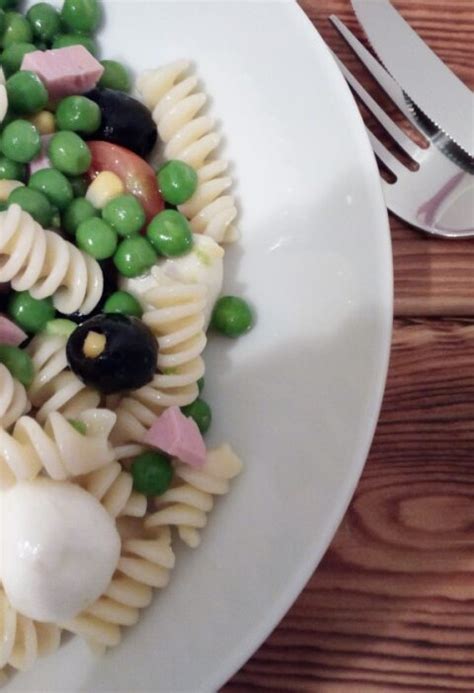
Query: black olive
[[128, 357], [125, 121]]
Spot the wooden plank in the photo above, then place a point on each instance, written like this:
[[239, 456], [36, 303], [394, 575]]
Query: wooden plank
[[432, 277], [392, 604]]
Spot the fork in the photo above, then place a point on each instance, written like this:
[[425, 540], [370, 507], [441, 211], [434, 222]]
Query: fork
[[437, 197]]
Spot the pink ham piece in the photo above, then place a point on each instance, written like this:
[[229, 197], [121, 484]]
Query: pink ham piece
[[10, 334], [42, 160], [64, 71], [178, 436]]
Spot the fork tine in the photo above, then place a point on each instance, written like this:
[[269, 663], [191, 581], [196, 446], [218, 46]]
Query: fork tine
[[385, 156], [390, 126], [378, 72]]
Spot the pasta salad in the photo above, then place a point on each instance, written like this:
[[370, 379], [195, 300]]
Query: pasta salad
[[115, 211]]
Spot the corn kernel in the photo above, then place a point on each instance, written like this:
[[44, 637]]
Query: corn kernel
[[7, 187], [44, 122], [104, 188], [94, 345]]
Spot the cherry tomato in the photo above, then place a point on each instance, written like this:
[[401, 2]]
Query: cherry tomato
[[137, 176]]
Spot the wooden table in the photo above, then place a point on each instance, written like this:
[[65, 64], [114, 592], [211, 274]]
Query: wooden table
[[391, 606]]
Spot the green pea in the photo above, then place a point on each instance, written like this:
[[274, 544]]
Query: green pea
[[17, 29], [60, 327], [232, 316], [66, 40], [3, 20], [152, 473], [54, 185], [31, 314], [69, 153], [200, 384], [21, 141], [123, 303], [33, 202], [11, 170], [79, 426], [78, 211], [177, 182], [79, 185], [170, 234], [115, 76], [18, 362], [134, 256], [79, 114], [200, 412], [82, 16], [125, 214], [26, 92], [12, 57], [45, 21], [97, 238]]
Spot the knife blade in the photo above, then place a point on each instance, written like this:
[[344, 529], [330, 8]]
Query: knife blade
[[431, 85]]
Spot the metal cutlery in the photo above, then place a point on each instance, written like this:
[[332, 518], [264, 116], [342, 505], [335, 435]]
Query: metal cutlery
[[437, 92], [437, 197]]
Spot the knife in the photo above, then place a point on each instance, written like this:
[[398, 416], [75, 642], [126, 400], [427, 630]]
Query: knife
[[426, 80]]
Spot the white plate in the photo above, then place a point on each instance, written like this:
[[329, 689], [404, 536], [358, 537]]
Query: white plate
[[299, 397]]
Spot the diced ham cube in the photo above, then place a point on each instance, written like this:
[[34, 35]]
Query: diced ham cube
[[178, 436], [64, 71], [10, 333], [42, 160]]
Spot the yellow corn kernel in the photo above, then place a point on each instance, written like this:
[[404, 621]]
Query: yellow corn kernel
[[44, 122], [7, 187], [94, 345], [104, 188]]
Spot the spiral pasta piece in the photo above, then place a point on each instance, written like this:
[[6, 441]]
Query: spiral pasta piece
[[22, 640], [176, 104], [145, 563], [113, 487], [3, 97], [13, 398], [55, 387], [187, 504], [41, 262], [175, 315], [58, 449]]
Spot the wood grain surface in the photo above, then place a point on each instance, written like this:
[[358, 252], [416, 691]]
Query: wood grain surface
[[391, 606]]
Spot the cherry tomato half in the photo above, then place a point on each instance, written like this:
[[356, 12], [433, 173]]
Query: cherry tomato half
[[137, 176]]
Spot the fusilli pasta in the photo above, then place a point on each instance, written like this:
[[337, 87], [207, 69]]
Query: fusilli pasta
[[176, 103], [41, 262], [145, 563], [187, 504], [113, 487], [58, 448], [55, 387], [22, 640], [176, 317], [13, 399]]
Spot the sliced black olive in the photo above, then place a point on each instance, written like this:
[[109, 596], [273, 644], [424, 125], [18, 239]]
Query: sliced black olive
[[113, 353], [125, 121]]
